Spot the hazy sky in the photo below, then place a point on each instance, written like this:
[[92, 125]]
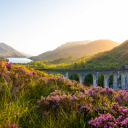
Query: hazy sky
[[36, 26]]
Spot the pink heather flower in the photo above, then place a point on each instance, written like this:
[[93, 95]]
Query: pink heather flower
[[53, 106], [36, 106], [46, 102], [38, 101], [104, 120], [124, 123]]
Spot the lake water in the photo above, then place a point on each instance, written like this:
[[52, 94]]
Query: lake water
[[19, 60]]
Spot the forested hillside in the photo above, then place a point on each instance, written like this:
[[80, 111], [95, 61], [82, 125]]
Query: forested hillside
[[91, 62], [113, 59]]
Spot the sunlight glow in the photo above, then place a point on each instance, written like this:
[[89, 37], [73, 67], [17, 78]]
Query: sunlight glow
[[34, 27]]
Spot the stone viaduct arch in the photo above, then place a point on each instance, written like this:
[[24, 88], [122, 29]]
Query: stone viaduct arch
[[95, 74]]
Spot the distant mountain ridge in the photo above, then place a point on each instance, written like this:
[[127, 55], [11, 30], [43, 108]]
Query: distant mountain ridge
[[78, 49], [26, 55], [119, 53], [8, 51], [115, 58], [72, 45]]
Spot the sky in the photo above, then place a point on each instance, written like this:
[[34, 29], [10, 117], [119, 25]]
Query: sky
[[37, 26]]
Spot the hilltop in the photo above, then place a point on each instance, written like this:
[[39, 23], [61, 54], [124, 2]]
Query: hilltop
[[120, 52], [78, 49], [74, 44], [8, 51]]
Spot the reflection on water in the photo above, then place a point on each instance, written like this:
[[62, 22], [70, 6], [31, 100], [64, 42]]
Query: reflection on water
[[19, 60]]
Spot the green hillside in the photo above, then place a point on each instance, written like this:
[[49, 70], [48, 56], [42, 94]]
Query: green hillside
[[77, 49], [120, 52], [61, 60], [114, 59]]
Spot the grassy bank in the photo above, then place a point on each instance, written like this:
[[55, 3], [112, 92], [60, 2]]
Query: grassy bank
[[34, 99]]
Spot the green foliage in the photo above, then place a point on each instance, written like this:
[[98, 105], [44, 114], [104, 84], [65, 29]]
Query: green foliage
[[99, 61], [88, 81], [34, 99], [113, 59], [2, 58], [74, 77], [61, 60], [101, 80], [111, 80]]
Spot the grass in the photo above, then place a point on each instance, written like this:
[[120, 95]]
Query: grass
[[33, 99]]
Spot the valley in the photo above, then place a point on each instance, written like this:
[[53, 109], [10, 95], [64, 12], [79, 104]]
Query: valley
[[63, 64], [33, 98]]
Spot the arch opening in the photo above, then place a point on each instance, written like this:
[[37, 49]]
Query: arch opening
[[101, 80], [111, 80], [76, 77], [88, 81]]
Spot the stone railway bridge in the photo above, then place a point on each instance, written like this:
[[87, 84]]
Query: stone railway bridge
[[95, 74]]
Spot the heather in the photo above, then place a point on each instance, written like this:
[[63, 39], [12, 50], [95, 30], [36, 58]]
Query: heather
[[30, 98]]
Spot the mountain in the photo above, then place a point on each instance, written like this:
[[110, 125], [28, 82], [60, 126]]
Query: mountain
[[120, 52], [74, 44], [26, 55], [8, 51], [115, 58], [78, 49]]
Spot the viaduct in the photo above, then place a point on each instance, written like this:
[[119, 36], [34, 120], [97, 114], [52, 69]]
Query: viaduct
[[95, 74]]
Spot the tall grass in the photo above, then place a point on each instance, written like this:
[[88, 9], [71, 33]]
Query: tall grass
[[32, 99]]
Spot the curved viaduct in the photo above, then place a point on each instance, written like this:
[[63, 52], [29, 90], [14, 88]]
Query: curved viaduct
[[96, 73]]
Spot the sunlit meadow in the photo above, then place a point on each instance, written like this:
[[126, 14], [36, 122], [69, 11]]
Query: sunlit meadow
[[34, 99]]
